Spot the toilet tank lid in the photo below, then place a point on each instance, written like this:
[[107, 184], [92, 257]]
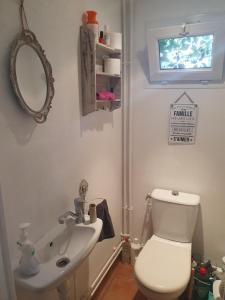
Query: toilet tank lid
[[175, 197]]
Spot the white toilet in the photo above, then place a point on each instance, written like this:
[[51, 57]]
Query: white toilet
[[163, 267]]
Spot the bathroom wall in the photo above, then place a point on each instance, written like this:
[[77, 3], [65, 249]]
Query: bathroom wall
[[198, 168], [41, 166]]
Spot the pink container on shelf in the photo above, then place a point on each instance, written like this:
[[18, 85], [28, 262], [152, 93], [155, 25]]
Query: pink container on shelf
[[106, 96]]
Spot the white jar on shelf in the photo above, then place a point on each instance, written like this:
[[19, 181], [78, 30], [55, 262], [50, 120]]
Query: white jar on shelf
[[112, 66]]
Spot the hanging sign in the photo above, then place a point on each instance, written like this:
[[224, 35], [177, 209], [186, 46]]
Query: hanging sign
[[183, 122]]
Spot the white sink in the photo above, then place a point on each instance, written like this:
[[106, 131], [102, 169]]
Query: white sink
[[67, 244]]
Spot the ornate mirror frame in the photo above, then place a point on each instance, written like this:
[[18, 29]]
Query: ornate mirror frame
[[28, 38]]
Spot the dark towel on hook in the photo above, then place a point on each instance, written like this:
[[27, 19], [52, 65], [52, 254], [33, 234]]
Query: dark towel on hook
[[107, 226]]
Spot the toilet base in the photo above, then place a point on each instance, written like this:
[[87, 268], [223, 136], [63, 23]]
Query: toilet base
[[171, 299], [152, 295]]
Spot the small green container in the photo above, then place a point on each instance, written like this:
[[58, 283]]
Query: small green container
[[210, 297], [201, 290]]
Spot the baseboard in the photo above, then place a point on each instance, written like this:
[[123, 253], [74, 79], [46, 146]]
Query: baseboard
[[96, 283]]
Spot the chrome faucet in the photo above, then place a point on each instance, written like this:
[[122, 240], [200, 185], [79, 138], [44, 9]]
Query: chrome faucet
[[62, 219], [79, 209], [79, 204], [78, 216]]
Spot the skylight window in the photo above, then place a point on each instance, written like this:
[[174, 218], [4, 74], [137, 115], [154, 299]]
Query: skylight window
[[188, 52]]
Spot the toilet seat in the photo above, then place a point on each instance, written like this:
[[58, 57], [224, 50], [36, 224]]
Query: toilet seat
[[164, 266]]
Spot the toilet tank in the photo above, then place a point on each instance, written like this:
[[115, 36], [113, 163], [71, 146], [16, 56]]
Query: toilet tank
[[174, 214]]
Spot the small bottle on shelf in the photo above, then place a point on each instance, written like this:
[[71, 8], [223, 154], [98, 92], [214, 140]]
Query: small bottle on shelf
[[106, 35], [101, 38]]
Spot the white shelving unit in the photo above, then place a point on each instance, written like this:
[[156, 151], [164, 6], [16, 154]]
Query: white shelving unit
[[107, 74], [94, 80], [107, 49]]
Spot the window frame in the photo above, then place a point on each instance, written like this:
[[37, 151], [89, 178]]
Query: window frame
[[214, 74]]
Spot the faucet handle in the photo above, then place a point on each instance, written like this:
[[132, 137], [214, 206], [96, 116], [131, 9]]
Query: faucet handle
[[79, 209]]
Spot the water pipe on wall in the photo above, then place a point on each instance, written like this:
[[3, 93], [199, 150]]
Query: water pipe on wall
[[127, 24]]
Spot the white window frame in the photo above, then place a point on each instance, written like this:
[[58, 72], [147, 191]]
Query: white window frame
[[214, 74]]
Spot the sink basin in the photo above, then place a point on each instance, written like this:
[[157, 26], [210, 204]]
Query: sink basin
[[60, 252]]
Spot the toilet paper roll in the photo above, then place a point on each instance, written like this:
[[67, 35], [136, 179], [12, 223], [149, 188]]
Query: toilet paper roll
[[115, 40], [112, 66]]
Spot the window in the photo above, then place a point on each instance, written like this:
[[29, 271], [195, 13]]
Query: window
[[191, 53]]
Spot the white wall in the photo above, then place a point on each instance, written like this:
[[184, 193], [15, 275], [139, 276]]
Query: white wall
[[199, 168], [41, 166]]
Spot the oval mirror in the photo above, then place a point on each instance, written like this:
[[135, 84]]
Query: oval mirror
[[31, 76]]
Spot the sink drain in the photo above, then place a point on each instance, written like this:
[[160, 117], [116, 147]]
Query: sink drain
[[62, 262]]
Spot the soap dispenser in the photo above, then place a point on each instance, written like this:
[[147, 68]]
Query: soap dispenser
[[28, 264]]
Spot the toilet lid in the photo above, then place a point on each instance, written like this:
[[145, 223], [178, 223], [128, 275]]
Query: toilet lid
[[164, 266]]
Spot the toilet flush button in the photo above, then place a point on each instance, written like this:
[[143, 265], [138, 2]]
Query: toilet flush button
[[175, 193]]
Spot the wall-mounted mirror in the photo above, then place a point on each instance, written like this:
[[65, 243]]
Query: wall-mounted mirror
[[31, 77], [31, 74]]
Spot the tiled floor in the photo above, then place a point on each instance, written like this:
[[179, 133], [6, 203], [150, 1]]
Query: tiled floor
[[119, 285]]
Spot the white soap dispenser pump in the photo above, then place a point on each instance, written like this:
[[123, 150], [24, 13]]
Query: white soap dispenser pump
[[29, 264]]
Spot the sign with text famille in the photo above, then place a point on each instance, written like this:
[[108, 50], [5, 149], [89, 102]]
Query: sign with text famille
[[183, 123]]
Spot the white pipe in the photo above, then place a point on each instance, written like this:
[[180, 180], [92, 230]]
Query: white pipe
[[131, 15], [127, 21], [128, 15], [7, 280], [125, 116]]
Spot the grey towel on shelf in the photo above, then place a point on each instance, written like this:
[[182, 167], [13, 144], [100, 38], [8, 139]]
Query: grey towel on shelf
[[107, 227]]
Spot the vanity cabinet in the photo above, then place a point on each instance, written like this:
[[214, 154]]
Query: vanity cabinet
[[93, 77]]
